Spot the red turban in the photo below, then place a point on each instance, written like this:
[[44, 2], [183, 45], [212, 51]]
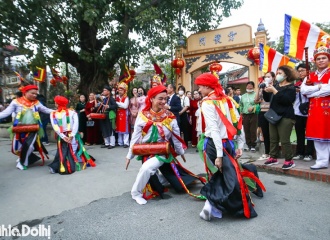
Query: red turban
[[208, 79], [152, 93], [28, 88], [62, 102]]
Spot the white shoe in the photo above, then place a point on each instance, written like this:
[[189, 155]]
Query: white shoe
[[253, 150], [51, 170], [206, 213], [45, 143], [19, 166], [140, 200], [318, 166], [298, 157], [308, 158], [263, 157]]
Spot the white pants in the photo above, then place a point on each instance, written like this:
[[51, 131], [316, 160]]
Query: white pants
[[29, 151], [110, 141], [322, 153], [148, 168], [123, 139]]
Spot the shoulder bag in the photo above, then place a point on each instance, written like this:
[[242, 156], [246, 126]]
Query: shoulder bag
[[303, 107], [271, 116]]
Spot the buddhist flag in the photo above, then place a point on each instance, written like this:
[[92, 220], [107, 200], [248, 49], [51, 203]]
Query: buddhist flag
[[39, 75], [299, 34], [125, 75], [270, 59]]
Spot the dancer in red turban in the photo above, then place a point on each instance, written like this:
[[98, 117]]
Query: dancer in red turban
[[154, 131], [70, 149], [27, 127]]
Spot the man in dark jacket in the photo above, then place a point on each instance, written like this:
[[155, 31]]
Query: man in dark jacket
[[173, 102], [45, 119]]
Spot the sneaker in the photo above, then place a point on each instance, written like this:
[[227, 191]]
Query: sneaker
[[298, 157], [253, 150], [288, 165], [308, 158], [271, 161], [263, 157], [20, 166], [51, 170], [45, 143], [246, 149]]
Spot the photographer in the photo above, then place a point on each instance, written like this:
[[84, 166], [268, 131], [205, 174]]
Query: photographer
[[281, 98], [264, 107]]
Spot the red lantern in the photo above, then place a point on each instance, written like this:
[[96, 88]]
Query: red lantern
[[177, 63], [132, 72], [53, 82], [215, 67], [254, 54], [178, 71]]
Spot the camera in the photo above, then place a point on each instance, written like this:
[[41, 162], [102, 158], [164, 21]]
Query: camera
[[263, 85]]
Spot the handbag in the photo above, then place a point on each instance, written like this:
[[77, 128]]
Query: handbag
[[303, 107], [90, 123], [271, 116]]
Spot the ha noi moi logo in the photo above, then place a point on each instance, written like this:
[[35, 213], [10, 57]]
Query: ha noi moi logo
[[24, 231]]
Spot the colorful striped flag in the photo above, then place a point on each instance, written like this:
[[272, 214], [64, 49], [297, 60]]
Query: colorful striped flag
[[270, 59], [299, 34], [39, 75]]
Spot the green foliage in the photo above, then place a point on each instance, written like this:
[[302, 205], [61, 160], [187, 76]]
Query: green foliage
[[94, 35], [279, 45], [324, 26]]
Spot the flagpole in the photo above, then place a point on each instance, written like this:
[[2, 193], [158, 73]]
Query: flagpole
[[308, 82], [67, 75]]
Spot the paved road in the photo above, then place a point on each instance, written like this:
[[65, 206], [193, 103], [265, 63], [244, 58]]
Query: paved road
[[95, 204]]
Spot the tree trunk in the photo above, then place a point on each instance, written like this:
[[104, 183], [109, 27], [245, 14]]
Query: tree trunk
[[92, 78]]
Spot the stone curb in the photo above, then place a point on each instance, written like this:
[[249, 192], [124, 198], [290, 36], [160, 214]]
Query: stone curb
[[312, 175]]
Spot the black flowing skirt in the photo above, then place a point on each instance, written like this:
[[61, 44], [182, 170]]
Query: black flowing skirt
[[171, 177], [68, 160], [30, 140], [223, 190]]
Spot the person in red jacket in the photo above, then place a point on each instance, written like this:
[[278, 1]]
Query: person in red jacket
[[317, 89]]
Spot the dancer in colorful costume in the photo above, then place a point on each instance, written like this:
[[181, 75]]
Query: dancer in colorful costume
[[154, 130], [155, 81], [226, 190], [27, 127], [65, 124], [317, 89]]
